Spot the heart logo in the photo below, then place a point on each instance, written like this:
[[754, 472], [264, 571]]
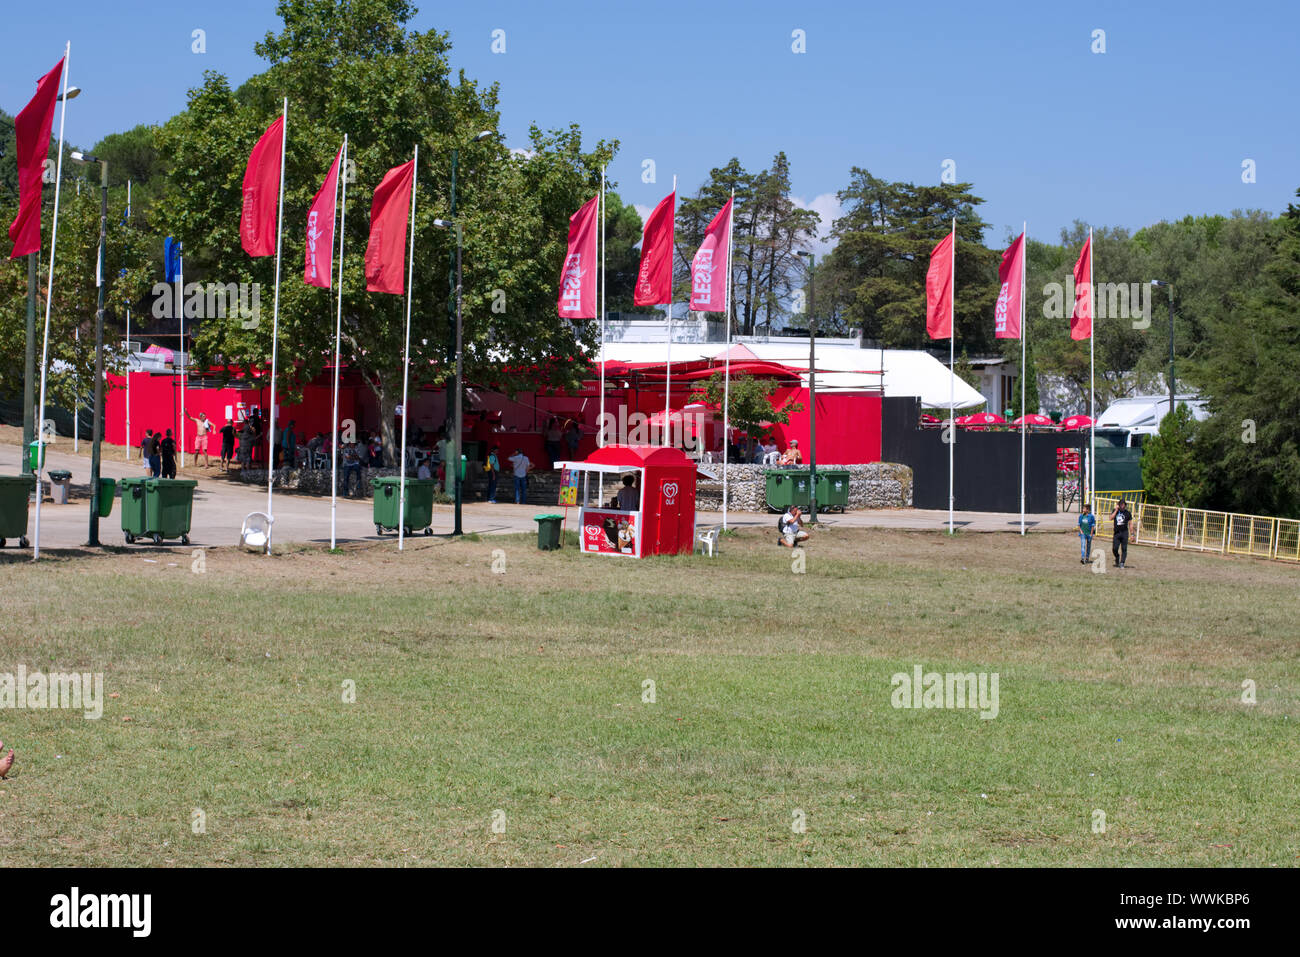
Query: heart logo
[[670, 492]]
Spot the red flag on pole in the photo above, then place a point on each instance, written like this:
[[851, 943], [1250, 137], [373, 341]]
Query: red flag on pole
[[32, 132], [578, 278], [938, 290], [708, 295], [1006, 314], [320, 229], [386, 250], [257, 225], [654, 281], [1081, 318]]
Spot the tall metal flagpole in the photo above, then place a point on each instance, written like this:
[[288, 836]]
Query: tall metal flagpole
[[127, 439], [180, 298], [406, 363], [1092, 376], [275, 329], [1024, 334], [49, 301], [600, 419], [338, 334], [952, 366], [668, 367], [726, 387]]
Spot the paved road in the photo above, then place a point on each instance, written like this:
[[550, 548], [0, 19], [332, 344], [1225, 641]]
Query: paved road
[[220, 507]]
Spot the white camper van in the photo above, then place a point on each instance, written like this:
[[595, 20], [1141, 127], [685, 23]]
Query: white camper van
[[1138, 416]]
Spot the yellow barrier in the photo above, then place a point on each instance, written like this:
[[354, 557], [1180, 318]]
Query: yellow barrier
[[1226, 533]]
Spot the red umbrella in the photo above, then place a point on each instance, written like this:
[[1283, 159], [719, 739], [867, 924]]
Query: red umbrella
[[929, 419], [1076, 422], [1034, 418], [985, 418]]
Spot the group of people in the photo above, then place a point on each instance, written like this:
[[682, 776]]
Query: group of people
[[764, 451], [559, 437], [1121, 520], [520, 466]]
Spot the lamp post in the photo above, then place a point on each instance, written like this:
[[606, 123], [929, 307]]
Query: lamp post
[[458, 425], [97, 433], [1170, 287], [812, 388], [29, 359]]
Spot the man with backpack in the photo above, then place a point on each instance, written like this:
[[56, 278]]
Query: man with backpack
[[791, 527], [168, 451]]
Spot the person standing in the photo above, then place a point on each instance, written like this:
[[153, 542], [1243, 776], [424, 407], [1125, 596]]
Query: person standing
[[289, 442], [493, 469], [521, 466], [1121, 518], [147, 452], [553, 436], [227, 444], [247, 442], [168, 451], [573, 438], [351, 466], [202, 428], [1087, 524]]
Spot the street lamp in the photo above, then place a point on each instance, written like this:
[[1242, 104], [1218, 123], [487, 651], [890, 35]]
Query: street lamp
[[460, 385], [812, 388], [100, 277], [1170, 287], [29, 359]]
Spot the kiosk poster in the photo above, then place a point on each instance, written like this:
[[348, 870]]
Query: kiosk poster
[[569, 487], [610, 533]]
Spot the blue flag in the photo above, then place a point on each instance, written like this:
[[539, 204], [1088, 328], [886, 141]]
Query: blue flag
[[171, 260]]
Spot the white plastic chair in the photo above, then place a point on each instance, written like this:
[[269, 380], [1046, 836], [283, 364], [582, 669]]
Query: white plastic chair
[[707, 540], [256, 531]]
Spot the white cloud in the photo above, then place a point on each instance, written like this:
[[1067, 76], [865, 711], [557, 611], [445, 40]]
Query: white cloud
[[826, 205], [643, 211]]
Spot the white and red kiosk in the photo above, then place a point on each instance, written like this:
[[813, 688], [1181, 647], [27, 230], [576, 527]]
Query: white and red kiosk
[[661, 519]]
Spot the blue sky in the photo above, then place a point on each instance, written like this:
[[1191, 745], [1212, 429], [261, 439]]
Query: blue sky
[[1156, 127]]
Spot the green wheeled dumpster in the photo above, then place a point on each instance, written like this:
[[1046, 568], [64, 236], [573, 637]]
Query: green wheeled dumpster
[[786, 487], [832, 489], [168, 507], [133, 516], [15, 490], [107, 489], [419, 504], [548, 531]]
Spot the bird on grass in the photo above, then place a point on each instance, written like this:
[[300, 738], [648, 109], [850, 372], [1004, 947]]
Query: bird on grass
[[6, 763]]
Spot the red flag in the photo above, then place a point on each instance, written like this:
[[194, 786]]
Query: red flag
[[1006, 314], [257, 226], [320, 229], [32, 132], [938, 290], [389, 212], [654, 281], [1081, 318], [710, 263], [578, 278]]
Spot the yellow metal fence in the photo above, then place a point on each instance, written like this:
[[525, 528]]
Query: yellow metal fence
[[1227, 533]]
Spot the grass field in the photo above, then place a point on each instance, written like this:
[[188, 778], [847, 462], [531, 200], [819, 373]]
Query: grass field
[[518, 697]]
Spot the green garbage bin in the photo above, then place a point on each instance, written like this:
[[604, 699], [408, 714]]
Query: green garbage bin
[[419, 504], [786, 487], [36, 457], [134, 524], [15, 490], [548, 531], [168, 507], [107, 489], [832, 489]]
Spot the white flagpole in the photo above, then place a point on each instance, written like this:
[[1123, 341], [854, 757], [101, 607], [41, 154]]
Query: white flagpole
[[1024, 334], [668, 367], [406, 363], [600, 419], [49, 300], [338, 334], [726, 387], [127, 440], [275, 327], [952, 368], [1092, 376], [181, 300]]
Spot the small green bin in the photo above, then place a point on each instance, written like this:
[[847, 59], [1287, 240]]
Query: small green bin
[[786, 487], [548, 531], [169, 505], [107, 489], [832, 489], [15, 490], [134, 524], [419, 503]]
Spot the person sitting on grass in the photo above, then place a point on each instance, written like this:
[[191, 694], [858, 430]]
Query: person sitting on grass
[[791, 525], [1087, 524]]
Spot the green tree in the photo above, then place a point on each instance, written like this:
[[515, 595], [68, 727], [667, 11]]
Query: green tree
[[750, 408], [1172, 472]]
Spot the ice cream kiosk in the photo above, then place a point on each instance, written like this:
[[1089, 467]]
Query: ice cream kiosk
[[653, 514]]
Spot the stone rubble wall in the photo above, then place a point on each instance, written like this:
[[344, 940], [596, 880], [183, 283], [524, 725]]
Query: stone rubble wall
[[877, 485]]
